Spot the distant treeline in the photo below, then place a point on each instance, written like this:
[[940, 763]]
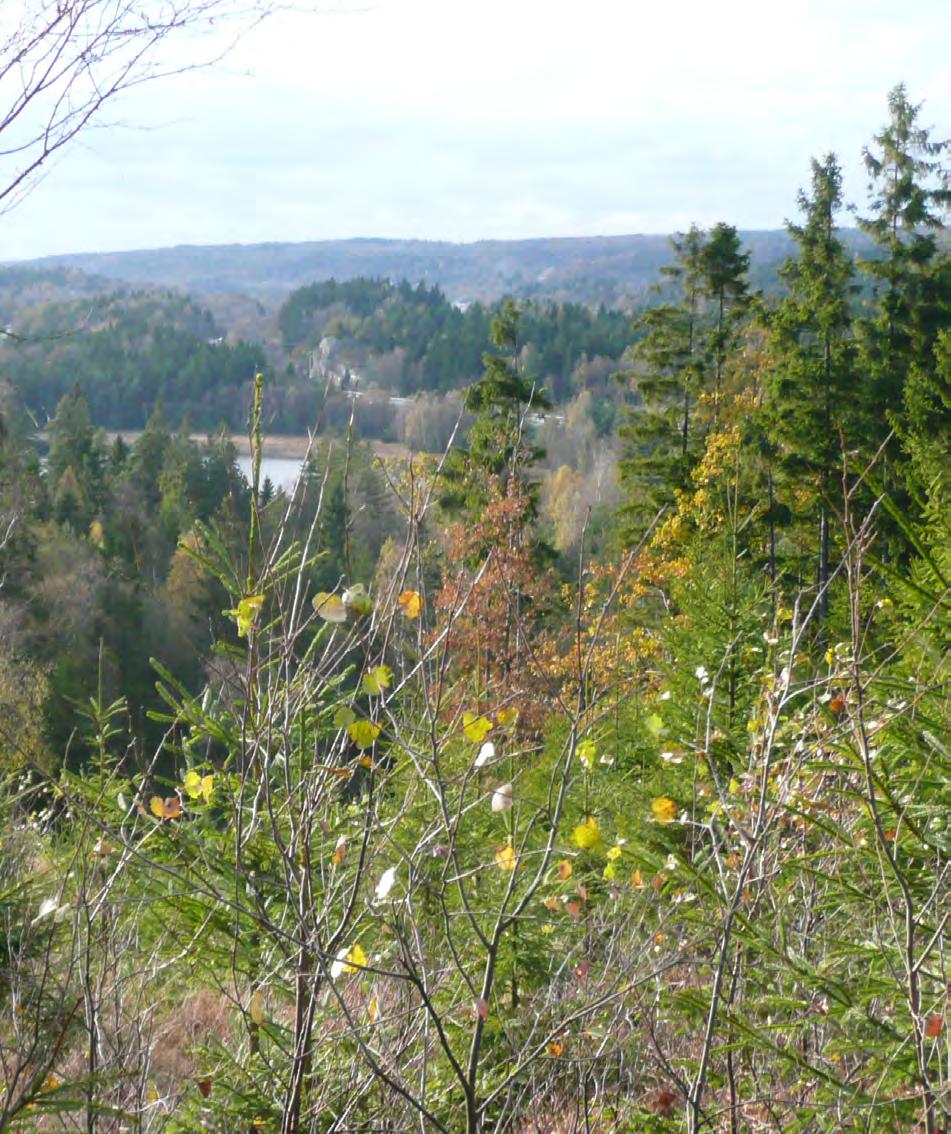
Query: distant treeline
[[130, 351], [413, 338], [127, 353]]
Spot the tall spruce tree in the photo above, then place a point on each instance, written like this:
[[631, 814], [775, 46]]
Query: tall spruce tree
[[499, 448], [660, 436], [723, 266], [679, 369], [909, 197], [814, 399]]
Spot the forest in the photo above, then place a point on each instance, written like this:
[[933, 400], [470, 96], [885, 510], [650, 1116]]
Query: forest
[[583, 766]]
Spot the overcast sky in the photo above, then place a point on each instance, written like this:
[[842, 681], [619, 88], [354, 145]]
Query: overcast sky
[[459, 120]]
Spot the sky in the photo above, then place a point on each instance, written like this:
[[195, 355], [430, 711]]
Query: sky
[[447, 119]]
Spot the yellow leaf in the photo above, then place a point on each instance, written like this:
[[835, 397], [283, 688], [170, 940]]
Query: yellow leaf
[[505, 858], [330, 608], [197, 785], [356, 959], [587, 835], [363, 733], [373, 1010], [506, 716], [340, 851], [475, 727], [410, 603], [664, 809], [377, 679], [256, 1009], [246, 612], [637, 881]]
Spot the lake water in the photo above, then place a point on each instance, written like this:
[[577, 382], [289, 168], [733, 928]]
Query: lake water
[[283, 471]]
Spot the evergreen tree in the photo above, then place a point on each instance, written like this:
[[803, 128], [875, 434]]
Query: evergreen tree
[[75, 463], [681, 367], [499, 451], [927, 436], [723, 267], [660, 436], [909, 195], [814, 400]]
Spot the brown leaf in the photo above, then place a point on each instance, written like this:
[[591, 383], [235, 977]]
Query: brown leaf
[[663, 1102]]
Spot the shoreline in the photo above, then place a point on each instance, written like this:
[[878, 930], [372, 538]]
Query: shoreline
[[276, 446]]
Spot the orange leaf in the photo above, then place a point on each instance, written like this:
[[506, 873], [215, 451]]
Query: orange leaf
[[564, 870], [170, 808], [410, 604], [934, 1025]]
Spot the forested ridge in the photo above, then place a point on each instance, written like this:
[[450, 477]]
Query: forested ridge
[[617, 271], [585, 768]]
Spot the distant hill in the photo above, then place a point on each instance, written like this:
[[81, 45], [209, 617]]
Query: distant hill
[[615, 270]]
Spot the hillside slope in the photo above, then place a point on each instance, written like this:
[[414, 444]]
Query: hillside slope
[[614, 270]]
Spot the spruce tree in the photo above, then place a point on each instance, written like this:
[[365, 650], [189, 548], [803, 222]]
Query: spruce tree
[[660, 436], [723, 267], [814, 399], [909, 195], [680, 367], [499, 451]]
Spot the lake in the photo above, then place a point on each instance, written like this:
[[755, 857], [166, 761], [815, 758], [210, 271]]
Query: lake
[[283, 471]]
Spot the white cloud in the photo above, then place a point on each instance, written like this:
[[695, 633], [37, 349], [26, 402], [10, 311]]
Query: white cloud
[[504, 118]]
